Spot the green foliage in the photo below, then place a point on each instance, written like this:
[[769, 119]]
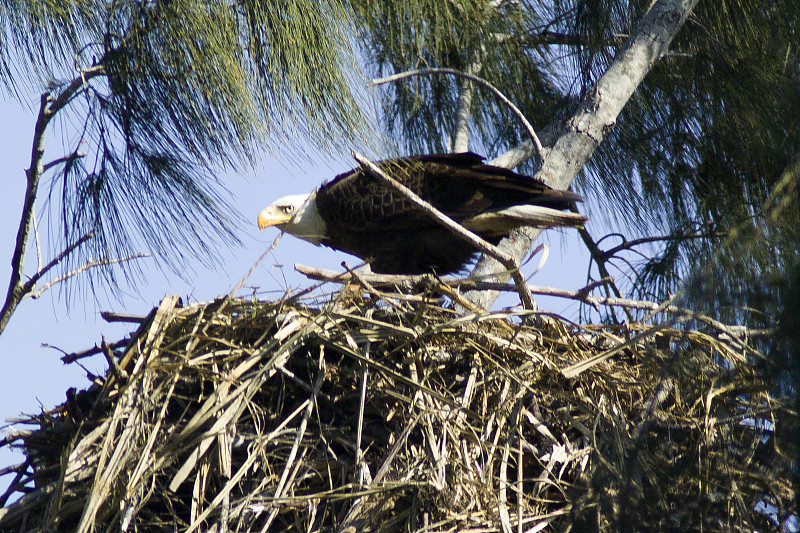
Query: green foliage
[[698, 148], [173, 90], [757, 258], [401, 36], [40, 40], [708, 140]]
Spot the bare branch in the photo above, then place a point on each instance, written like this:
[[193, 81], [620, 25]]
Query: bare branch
[[558, 38], [75, 87], [600, 259], [479, 81], [627, 245], [734, 332], [31, 283], [34, 173], [508, 262], [65, 159], [464, 104], [75, 356], [38, 243], [48, 107], [253, 268], [112, 361], [86, 266], [378, 280], [111, 316]]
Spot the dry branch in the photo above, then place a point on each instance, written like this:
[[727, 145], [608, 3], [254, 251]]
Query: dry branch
[[733, 332], [480, 81]]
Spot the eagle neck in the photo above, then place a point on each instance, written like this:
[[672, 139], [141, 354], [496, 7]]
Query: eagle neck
[[307, 224]]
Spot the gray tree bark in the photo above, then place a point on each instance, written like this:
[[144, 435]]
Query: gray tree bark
[[581, 135]]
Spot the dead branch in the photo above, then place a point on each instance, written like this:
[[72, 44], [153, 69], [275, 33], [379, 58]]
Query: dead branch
[[76, 356], [31, 283], [65, 159], [581, 295], [208, 411], [597, 255], [110, 316], [105, 349], [630, 244], [480, 81], [84, 267], [48, 107]]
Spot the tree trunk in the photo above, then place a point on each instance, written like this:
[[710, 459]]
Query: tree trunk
[[583, 132]]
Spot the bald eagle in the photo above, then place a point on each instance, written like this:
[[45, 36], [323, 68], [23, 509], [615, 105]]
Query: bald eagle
[[359, 213]]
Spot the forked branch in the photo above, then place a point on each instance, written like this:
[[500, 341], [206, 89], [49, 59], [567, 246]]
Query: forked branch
[[88, 265], [735, 333], [49, 105]]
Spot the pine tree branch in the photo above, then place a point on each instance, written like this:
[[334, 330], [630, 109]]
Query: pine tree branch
[[628, 245], [596, 115], [65, 159], [558, 38], [509, 262], [37, 242], [84, 267], [600, 259], [28, 287], [15, 287]]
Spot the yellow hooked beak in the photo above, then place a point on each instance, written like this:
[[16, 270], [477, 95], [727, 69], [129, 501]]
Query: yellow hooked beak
[[273, 216]]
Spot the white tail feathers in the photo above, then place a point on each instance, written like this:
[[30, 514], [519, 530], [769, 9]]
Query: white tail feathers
[[503, 221]]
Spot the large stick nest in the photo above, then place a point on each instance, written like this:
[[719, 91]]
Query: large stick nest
[[364, 415]]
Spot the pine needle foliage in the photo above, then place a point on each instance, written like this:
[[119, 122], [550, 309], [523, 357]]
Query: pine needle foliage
[[490, 37], [698, 149], [394, 414], [165, 94]]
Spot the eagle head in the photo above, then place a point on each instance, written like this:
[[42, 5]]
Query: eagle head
[[296, 214]]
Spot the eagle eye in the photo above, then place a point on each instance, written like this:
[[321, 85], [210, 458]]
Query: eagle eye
[[287, 209]]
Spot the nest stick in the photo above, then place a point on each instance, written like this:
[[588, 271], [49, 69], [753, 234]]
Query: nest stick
[[301, 430], [362, 404]]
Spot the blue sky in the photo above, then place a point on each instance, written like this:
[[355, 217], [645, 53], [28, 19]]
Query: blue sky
[[33, 377]]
